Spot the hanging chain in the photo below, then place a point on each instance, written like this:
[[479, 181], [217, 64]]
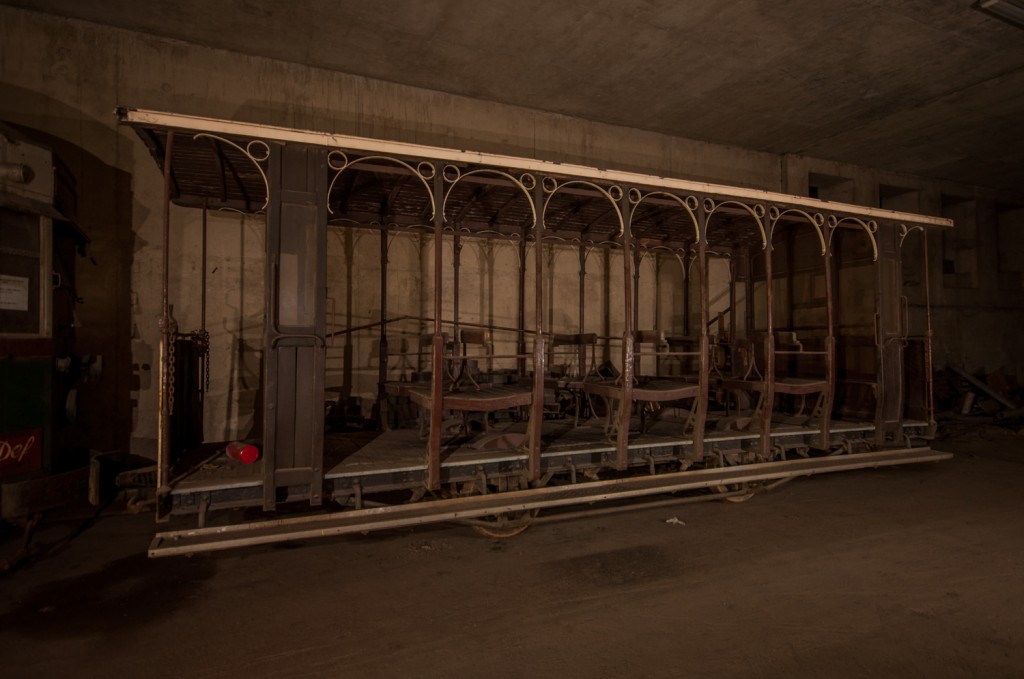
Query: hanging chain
[[169, 329], [171, 370], [202, 339]]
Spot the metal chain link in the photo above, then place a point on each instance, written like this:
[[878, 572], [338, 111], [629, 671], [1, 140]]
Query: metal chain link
[[170, 375], [203, 339]]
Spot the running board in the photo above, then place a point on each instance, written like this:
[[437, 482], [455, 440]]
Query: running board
[[215, 538]]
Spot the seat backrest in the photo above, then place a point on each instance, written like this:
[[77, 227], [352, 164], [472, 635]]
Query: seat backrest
[[655, 337], [579, 363], [573, 339], [476, 337], [427, 339], [744, 351], [787, 339], [800, 360]]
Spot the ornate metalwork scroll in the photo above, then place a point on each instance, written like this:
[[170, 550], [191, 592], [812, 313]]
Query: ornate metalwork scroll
[[256, 150], [869, 227], [757, 212]]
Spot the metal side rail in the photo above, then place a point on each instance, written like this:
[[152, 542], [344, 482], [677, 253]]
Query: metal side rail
[[214, 538]]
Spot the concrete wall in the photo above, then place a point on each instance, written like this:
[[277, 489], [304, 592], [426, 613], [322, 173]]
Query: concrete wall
[[64, 78], [974, 270]]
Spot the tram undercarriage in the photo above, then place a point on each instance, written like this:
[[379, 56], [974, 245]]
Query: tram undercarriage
[[560, 335]]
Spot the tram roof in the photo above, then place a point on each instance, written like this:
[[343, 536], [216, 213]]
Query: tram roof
[[220, 164]]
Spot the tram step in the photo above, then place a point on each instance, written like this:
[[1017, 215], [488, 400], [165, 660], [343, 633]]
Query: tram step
[[215, 538]]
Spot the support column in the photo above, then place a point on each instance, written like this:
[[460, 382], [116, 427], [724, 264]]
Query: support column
[[295, 327], [888, 290], [628, 357], [433, 475], [658, 264], [686, 291], [769, 351], [456, 268], [582, 303], [705, 363], [635, 322], [748, 293], [537, 401], [167, 332], [830, 351], [929, 376], [733, 280], [382, 360], [521, 322], [636, 288]]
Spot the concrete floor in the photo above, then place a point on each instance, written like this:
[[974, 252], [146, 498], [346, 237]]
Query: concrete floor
[[889, 573]]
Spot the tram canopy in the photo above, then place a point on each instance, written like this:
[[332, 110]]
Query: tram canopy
[[222, 164]]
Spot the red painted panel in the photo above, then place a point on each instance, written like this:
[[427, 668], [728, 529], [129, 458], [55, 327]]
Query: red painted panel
[[21, 452]]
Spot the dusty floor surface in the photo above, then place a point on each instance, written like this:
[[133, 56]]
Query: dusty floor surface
[[902, 572]]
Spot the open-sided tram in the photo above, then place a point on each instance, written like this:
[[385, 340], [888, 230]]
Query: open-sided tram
[[453, 335]]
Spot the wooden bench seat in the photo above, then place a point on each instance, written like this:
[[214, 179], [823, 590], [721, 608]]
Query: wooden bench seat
[[486, 399], [783, 385], [654, 390]]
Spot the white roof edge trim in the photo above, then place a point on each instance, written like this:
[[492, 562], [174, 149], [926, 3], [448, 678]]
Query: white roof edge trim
[[343, 141]]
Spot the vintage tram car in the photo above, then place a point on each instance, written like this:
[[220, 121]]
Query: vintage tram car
[[458, 336]]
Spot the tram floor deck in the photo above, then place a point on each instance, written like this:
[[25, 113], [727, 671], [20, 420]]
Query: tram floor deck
[[361, 454], [404, 450], [891, 572], [371, 455]]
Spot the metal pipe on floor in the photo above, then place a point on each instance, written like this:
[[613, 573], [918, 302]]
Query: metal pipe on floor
[[621, 509], [978, 384], [463, 508]]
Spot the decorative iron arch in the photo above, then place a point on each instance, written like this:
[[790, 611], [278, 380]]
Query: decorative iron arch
[[757, 212], [869, 227], [689, 205], [903, 231], [551, 186], [424, 171], [817, 220], [452, 175], [256, 158]]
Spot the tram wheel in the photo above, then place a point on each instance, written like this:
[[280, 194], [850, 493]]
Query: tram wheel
[[507, 525], [732, 488]]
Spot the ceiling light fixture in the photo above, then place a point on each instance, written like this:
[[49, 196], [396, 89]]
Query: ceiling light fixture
[[1011, 11]]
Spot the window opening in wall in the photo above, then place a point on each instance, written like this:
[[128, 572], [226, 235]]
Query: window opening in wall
[[830, 187], [1010, 244], [959, 246], [899, 198], [22, 263]]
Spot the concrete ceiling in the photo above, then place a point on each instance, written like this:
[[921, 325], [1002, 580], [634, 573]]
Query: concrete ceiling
[[928, 87]]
